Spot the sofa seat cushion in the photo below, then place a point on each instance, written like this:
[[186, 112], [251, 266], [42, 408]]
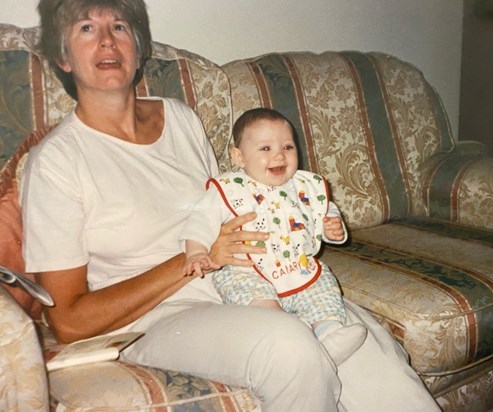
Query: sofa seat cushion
[[128, 387], [474, 385], [430, 282]]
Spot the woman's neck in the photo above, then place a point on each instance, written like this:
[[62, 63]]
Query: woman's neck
[[109, 113], [124, 117]]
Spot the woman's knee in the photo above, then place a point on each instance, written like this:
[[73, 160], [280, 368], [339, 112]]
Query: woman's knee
[[289, 365], [291, 349]]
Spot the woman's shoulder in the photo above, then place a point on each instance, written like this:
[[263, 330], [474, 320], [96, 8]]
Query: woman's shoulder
[[60, 132], [178, 107], [61, 142]]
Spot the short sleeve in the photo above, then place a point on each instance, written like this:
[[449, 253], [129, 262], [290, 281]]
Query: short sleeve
[[52, 210], [205, 220]]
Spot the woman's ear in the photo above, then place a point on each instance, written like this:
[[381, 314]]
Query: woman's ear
[[237, 157], [65, 66]]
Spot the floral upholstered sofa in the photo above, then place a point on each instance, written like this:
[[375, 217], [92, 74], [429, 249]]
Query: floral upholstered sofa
[[419, 207]]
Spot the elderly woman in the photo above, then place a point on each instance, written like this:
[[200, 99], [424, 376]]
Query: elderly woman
[[102, 234]]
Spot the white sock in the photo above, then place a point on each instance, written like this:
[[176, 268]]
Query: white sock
[[326, 325]]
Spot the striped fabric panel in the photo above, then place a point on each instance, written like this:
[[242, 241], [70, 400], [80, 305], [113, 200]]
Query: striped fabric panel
[[471, 234], [442, 185], [16, 102], [170, 78], [279, 85], [303, 115], [472, 291], [170, 391], [366, 127], [152, 387], [446, 138], [132, 387], [227, 402], [37, 92], [381, 132], [382, 135]]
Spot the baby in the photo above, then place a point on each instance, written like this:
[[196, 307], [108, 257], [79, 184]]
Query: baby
[[293, 207]]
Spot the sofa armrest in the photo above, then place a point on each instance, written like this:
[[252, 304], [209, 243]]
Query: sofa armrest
[[458, 185], [23, 380]]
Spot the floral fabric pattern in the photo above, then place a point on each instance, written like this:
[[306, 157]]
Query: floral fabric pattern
[[23, 382]]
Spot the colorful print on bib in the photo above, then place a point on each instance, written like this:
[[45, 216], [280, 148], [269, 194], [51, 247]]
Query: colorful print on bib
[[292, 214]]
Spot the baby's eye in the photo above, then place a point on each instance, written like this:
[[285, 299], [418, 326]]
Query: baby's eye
[[265, 149], [289, 147]]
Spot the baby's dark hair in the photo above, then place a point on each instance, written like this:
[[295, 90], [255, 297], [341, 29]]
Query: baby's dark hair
[[252, 116]]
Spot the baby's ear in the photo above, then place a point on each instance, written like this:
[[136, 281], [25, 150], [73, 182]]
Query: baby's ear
[[237, 157]]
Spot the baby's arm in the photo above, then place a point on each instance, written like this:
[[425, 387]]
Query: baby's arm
[[198, 259], [334, 227]]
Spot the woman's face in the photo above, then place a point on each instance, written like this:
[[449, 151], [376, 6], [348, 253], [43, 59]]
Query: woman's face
[[100, 53]]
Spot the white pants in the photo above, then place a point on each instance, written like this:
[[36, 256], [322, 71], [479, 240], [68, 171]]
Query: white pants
[[279, 359]]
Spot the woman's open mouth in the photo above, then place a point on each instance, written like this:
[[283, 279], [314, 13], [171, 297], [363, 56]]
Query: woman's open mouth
[[109, 64]]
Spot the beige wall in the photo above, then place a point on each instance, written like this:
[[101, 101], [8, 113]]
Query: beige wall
[[424, 32]]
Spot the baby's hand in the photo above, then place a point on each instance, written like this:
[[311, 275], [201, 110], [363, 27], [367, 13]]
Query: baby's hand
[[333, 229], [198, 263]]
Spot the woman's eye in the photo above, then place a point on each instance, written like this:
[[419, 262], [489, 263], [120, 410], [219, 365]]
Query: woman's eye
[[85, 28], [120, 27]]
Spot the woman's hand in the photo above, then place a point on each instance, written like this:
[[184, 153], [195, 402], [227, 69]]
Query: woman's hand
[[231, 241]]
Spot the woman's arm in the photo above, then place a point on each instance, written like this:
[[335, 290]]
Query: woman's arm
[[80, 313]]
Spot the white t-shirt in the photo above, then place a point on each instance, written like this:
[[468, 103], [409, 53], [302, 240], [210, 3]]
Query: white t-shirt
[[119, 207]]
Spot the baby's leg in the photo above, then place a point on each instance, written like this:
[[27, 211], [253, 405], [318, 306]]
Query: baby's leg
[[245, 288], [267, 303], [322, 307]]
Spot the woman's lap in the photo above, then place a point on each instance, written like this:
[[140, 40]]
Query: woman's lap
[[263, 349], [270, 352], [378, 376]]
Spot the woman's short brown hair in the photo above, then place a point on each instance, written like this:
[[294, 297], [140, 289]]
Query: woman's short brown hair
[[58, 15]]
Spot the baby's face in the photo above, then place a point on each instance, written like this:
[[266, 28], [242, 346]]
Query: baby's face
[[267, 152]]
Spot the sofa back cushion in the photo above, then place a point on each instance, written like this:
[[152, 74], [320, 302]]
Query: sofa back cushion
[[367, 121], [21, 107]]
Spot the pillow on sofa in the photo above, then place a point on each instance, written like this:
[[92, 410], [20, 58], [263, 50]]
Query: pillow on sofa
[[11, 222]]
